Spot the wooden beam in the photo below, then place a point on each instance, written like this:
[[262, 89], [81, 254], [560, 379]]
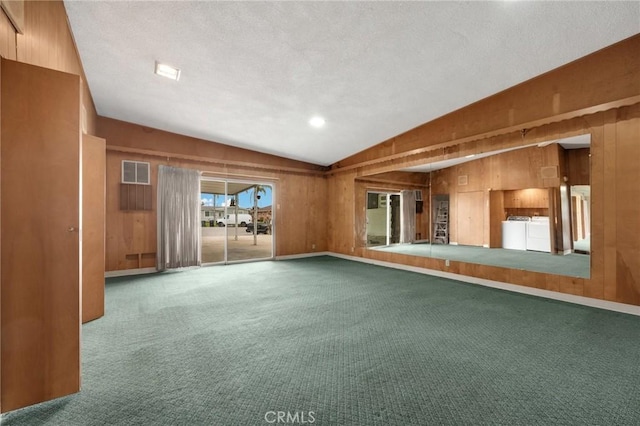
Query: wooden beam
[[216, 161], [336, 168]]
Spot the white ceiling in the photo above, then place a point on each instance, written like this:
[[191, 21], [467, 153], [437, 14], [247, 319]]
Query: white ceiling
[[254, 73]]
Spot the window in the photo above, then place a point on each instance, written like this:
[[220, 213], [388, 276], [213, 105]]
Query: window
[[135, 172]]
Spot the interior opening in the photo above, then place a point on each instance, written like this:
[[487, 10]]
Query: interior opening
[[383, 219]]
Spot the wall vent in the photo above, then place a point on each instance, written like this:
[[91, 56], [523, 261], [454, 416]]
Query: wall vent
[[136, 172], [549, 172]]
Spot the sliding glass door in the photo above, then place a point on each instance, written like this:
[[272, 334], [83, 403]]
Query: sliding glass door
[[383, 219], [237, 220]]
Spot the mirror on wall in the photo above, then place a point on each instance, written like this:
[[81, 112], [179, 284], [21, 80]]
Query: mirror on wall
[[526, 207]]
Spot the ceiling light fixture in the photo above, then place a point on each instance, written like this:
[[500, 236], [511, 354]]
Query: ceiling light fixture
[[317, 122], [469, 156], [167, 71]]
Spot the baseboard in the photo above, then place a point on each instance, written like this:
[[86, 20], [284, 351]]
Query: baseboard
[[126, 272], [303, 255], [141, 271], [553, 295]]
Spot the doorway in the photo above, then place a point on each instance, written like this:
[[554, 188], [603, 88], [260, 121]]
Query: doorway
[[237, 220], [581, 218], [383, 218]]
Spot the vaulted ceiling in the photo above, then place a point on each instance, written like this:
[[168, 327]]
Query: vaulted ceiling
[[254, 73]]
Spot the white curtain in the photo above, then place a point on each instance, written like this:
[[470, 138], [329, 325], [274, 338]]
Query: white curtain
[[178, 218], [408, 222]]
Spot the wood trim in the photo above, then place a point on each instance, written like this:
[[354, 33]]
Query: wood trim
[[501, 132], [496, 216], [93, 226], [220, 162], [627, 214], [400, 184], [221, 175]]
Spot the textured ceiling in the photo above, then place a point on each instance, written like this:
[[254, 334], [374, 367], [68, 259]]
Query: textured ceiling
[[254, 73]]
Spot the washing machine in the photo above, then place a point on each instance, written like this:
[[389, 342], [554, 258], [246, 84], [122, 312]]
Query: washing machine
[[539, 234], [514, 232]]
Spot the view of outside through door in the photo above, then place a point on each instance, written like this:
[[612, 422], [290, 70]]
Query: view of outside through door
[[236, 220], [383, 218]]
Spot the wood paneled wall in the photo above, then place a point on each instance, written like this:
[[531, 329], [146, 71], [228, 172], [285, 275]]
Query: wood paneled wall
[[301, 192], [511, 170], [615, 256], [578, 164], [597, 95], [344, 236], [621, 220], [130, 233], [47, 42]]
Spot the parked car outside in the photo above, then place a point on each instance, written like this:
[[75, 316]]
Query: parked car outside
[[262, 228], [242, 219]]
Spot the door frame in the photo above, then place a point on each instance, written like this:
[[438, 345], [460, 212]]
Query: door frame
[[225, 260], [387, 215]]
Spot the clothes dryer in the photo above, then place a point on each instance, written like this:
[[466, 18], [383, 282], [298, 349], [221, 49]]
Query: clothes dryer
[[539, 234], [514, 232]]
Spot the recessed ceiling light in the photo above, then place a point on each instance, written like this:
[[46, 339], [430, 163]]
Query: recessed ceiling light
[[317, 122], [168, 71]]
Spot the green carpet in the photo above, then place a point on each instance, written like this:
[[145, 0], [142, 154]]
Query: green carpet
[[574, 265], [355, 344]]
